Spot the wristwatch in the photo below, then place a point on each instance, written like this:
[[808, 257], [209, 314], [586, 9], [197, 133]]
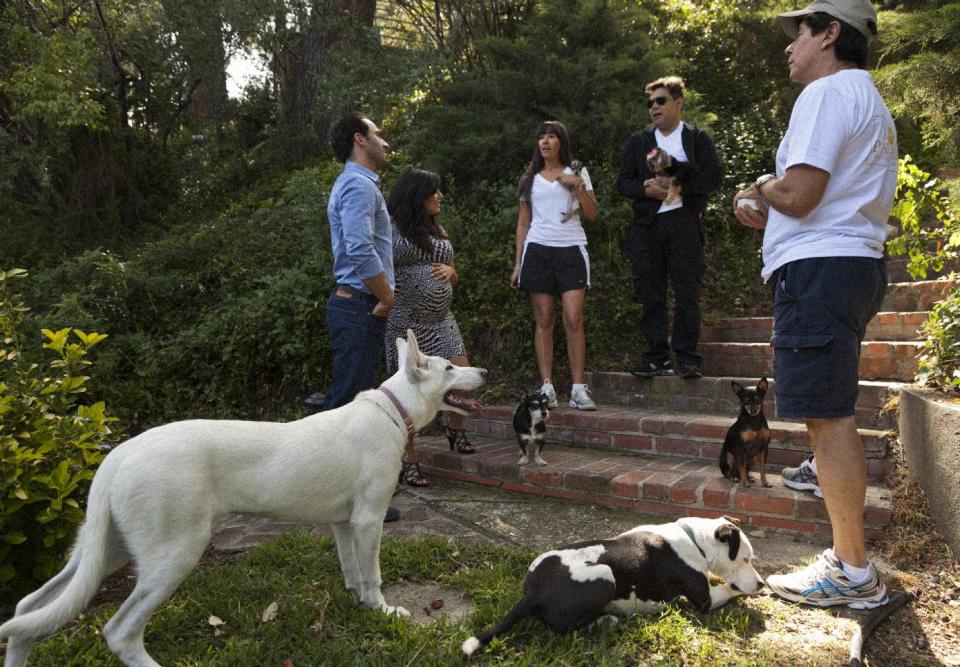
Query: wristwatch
[[765, 178]]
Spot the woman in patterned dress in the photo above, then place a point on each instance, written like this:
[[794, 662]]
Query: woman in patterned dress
[[425, 278]]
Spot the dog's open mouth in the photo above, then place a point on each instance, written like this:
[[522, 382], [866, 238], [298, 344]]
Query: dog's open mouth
[[456, 400]]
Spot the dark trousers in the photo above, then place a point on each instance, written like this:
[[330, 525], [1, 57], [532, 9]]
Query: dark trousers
[[670, 248], [356, 337]]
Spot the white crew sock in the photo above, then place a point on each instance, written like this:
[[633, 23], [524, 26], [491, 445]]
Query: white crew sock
[[575, 387], [856, 574]]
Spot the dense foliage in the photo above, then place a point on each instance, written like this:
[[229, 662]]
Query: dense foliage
[[929, 236], [51, 442], [191, 226]]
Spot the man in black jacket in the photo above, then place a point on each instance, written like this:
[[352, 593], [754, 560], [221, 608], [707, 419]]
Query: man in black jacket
[[665, 239]]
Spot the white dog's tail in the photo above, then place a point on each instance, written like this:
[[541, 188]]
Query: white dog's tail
[[68, 593], [523, 609]]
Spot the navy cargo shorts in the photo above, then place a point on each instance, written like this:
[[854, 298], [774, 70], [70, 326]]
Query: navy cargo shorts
[[821, 307]]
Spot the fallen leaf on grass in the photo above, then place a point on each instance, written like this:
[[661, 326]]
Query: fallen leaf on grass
[[270, 613], [287, 663], [436, 604], [216, 622]]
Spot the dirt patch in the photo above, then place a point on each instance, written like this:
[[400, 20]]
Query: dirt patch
[[427, 603]]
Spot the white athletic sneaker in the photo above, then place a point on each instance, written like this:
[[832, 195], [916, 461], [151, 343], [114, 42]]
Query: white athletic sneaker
[[580, 399], [823, 583], [802, 478], [547, 390]]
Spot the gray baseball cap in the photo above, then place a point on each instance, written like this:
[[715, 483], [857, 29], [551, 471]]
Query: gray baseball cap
[[858, 13]]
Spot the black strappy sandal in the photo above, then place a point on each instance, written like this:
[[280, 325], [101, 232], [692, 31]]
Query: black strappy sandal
[[457, 437], [410, 474]]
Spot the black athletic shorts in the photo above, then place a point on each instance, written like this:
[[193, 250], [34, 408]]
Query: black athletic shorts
[[550, 270]]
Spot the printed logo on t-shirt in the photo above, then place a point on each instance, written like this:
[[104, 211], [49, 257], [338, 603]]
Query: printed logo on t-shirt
[[884, 149]]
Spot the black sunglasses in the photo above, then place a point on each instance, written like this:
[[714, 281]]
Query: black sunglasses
[[660, 100]]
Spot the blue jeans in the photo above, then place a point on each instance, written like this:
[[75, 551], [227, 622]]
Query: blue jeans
[[356, 337]]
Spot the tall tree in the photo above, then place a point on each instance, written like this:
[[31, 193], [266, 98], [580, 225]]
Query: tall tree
[[200, 37]]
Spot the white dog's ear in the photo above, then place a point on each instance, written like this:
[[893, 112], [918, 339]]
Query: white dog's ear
[[401, 352], [413, 359], [730, 534]]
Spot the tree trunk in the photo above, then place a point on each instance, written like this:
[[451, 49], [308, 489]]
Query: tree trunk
[[199, 26]]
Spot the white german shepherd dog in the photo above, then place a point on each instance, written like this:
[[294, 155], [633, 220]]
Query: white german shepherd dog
[[156, 498]]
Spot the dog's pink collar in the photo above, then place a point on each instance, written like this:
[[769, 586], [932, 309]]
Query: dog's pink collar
[[411, 429]]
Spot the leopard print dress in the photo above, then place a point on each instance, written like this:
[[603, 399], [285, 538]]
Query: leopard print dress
[[421, 302]]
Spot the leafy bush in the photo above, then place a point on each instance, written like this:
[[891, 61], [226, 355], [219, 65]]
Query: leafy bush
[[50, 443], [940, 355], [920, 78], [584, 63], [226, 318], [930, 237], [929, 226]]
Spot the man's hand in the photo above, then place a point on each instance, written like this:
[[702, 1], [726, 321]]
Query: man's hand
[[445, 274], [515, 277], [382, 309], [748, 216], [656, 188]]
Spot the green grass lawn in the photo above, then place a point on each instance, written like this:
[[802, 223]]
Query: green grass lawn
[[317, 622]]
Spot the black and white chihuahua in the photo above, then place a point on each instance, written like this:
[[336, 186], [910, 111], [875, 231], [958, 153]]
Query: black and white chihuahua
[[530, 423]]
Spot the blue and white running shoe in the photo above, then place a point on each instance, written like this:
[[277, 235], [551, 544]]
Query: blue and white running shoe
[[823, 583]]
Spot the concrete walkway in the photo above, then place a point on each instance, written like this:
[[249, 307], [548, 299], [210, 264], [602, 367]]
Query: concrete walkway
[[475, 514]]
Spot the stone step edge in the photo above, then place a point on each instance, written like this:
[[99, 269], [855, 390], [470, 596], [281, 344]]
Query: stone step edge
[[870, 348], [667, 486], [764, 319], [903, 326], [717, 386], [698, 427]]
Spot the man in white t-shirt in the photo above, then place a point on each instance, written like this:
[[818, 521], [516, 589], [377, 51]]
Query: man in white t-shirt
[[825, 214]]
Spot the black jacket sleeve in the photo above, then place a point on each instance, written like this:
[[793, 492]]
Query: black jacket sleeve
[[703, 173], [630, 178]]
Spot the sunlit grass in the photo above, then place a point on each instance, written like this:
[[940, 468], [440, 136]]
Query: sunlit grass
[[318, 624]]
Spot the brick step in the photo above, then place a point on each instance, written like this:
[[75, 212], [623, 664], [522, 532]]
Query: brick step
[[879, 360], [714, 395], [916, 296], [892, 326], [672, 486], [897, 269], [628, 430]]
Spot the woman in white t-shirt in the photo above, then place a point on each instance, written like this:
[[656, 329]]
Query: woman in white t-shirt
[[551, 253]]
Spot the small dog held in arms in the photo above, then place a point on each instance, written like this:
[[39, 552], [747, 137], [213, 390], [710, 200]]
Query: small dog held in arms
[[664, 166], [576, 166], [748, 439], [635, 572], [156, 498], [530, 423]]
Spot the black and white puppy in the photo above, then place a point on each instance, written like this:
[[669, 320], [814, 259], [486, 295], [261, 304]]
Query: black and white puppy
[[638, 571], [530, 423]]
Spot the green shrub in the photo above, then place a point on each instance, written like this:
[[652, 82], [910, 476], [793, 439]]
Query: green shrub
[[929, 226], [930, 237], [940, 355], [50, 443]]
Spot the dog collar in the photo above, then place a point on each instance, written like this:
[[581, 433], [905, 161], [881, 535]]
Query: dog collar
[[407, 422], [689, 533]]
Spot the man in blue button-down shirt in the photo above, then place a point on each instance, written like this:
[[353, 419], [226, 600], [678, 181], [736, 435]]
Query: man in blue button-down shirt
[[362, 259]]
